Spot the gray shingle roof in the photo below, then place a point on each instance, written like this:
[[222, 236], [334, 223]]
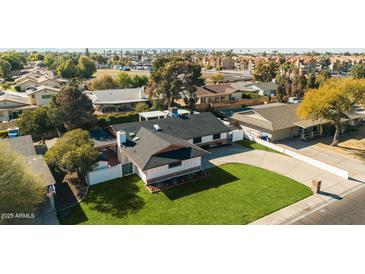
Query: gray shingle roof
[[23, 145], [277, 117], [118, 96], [192, 126], [156, 149]]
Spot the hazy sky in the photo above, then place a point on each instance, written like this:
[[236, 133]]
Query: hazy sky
[[238, 50]]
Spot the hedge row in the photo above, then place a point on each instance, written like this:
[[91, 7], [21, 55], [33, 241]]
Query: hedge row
[[3, 133], [116, 118]]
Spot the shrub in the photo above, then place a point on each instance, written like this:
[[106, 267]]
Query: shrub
[[116, 118]]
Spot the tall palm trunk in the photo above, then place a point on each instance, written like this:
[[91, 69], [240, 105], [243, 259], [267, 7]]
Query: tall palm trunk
[[337, 133]]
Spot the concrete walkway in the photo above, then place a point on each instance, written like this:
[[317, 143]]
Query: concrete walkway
[[333, 187]]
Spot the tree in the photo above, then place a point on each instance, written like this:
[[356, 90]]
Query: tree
[[71, 109], [21, 190], [311, 82], [139, 81], [175, 77], [104, 82], [123, 80], [265, 71], [141, 107], [87, 53], [358, 71], [73, 152], [332, 100], [323, 76], [217, 77], [15, 59], [67, 69], [86, 67], [5, 69], [35, 122]]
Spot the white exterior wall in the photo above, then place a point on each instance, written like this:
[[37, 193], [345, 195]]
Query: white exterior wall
[[102, 175], [28, 84], [39, 101], [206, 139], [165, 170]]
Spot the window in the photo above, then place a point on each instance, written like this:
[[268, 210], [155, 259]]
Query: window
[[172, 165], [46, 96], [197, 140], [216, 136]]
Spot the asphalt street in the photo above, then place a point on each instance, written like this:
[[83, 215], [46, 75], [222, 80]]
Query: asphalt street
[[348, 211]]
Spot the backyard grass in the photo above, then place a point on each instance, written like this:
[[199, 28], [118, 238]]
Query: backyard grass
[[232, 194], [253, 145]]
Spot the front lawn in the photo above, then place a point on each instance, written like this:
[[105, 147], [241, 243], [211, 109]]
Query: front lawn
[[254, 145], [232, 194]]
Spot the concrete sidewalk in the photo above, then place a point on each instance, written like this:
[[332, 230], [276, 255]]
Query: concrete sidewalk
[[333, 187]]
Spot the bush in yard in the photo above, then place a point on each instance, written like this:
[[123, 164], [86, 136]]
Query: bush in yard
[[21, 190], [73, 152], [140, 107]]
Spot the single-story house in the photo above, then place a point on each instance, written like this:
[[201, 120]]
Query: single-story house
[[23, 145], [261, 88], [279, 121], [159, 150], [217, 93], [114, 100], [29, 82], [155, 156], [41, 95], [12, 104]]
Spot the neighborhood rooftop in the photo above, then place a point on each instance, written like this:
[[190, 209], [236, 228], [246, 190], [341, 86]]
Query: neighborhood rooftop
[[23, 145], [153, 149], [188, 127], [118, 96]]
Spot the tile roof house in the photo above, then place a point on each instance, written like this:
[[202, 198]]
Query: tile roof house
[[41, 95], [27, 81], [13, 103], [280, 121], [117, 99], [217, 93]]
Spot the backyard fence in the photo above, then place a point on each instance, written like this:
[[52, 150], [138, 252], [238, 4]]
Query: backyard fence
[[329, 168], [105, 174]]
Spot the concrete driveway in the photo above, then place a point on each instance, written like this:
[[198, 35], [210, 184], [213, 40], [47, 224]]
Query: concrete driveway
[[355, 167], [279, 163]]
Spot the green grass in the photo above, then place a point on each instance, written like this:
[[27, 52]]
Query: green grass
[[253, 145], [232, 194]]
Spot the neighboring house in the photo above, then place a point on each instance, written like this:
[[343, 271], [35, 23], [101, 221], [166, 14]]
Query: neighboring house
[[279, 121], [41, 95], [217, 93], [12, 104], [159, 150], [262, 88], [114, 100], [36, 163], [27, 82]]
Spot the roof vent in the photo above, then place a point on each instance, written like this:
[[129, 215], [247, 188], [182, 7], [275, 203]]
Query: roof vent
[[157, 127]]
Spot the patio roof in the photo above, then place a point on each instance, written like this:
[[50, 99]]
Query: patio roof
[[153, 114]]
